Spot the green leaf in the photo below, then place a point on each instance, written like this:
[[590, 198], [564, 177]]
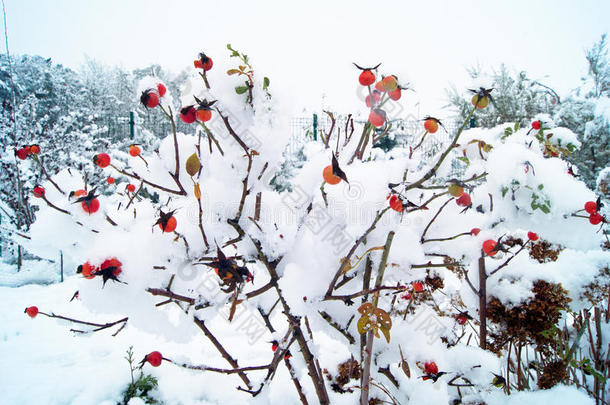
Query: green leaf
[[517, 125], [545, 209], [265, 83], [241, 89], [504, 191], [464, 159], [540, 186], [507, 132]]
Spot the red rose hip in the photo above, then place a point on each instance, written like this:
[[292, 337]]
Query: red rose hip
[[154, 358]]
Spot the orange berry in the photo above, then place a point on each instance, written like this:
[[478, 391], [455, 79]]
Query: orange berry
[[431, 125], [329, 177], [134, 150], [204, 115]]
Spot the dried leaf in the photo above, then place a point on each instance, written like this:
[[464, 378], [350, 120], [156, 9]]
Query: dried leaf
[[197, 191], [383, 319], [337, 170], [193, 165], [403, 364], [232, 72], [366, 308]]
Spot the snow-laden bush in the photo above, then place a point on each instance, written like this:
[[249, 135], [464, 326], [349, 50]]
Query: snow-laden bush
[[366, 244]]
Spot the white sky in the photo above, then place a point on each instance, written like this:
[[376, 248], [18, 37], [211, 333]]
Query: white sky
[[307, 47]]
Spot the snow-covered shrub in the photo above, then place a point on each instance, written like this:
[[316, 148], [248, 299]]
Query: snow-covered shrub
[[365, 245]]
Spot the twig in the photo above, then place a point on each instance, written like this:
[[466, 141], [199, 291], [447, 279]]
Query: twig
[[421, 239], [346, 260], [338, 327]]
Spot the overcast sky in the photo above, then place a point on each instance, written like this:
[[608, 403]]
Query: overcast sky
[[307, 47]]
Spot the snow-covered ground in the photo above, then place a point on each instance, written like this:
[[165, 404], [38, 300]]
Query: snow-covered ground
[[44, 363]]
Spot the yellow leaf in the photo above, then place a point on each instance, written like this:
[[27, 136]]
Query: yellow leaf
[[386, 333], [232, 72], [364, 324], [197, 191], [193, 165]]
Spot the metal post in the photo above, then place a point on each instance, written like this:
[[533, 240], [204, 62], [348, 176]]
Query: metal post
[[315, 127], [61, 266], [131, 125]]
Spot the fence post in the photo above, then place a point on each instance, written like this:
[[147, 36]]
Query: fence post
[[315, 127], [131, 125], [61, 266]]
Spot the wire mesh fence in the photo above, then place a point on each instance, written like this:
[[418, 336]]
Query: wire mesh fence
[[405, 132]]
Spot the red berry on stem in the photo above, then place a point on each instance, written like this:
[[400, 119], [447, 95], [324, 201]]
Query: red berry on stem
[[134, 150], [366, 78], [489, 247], [154, 358], [532, 236], [395, 94], [22, 153], [396, 203], [431, 125], [461, 319], [38, 191], [430, 367], [170, 226], [536, 125], [149, 98], [31, 311], [376, 98], [475, 231], [101, 160], [418, 286], [34, 149], [161, 89], [92, 206], [188, 115], [379, 87], [88, 270], [596, 218], [115, 263], [464, 200], [131, 188], [110, 180], [204, 115], [591, 207], [377, 117]]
